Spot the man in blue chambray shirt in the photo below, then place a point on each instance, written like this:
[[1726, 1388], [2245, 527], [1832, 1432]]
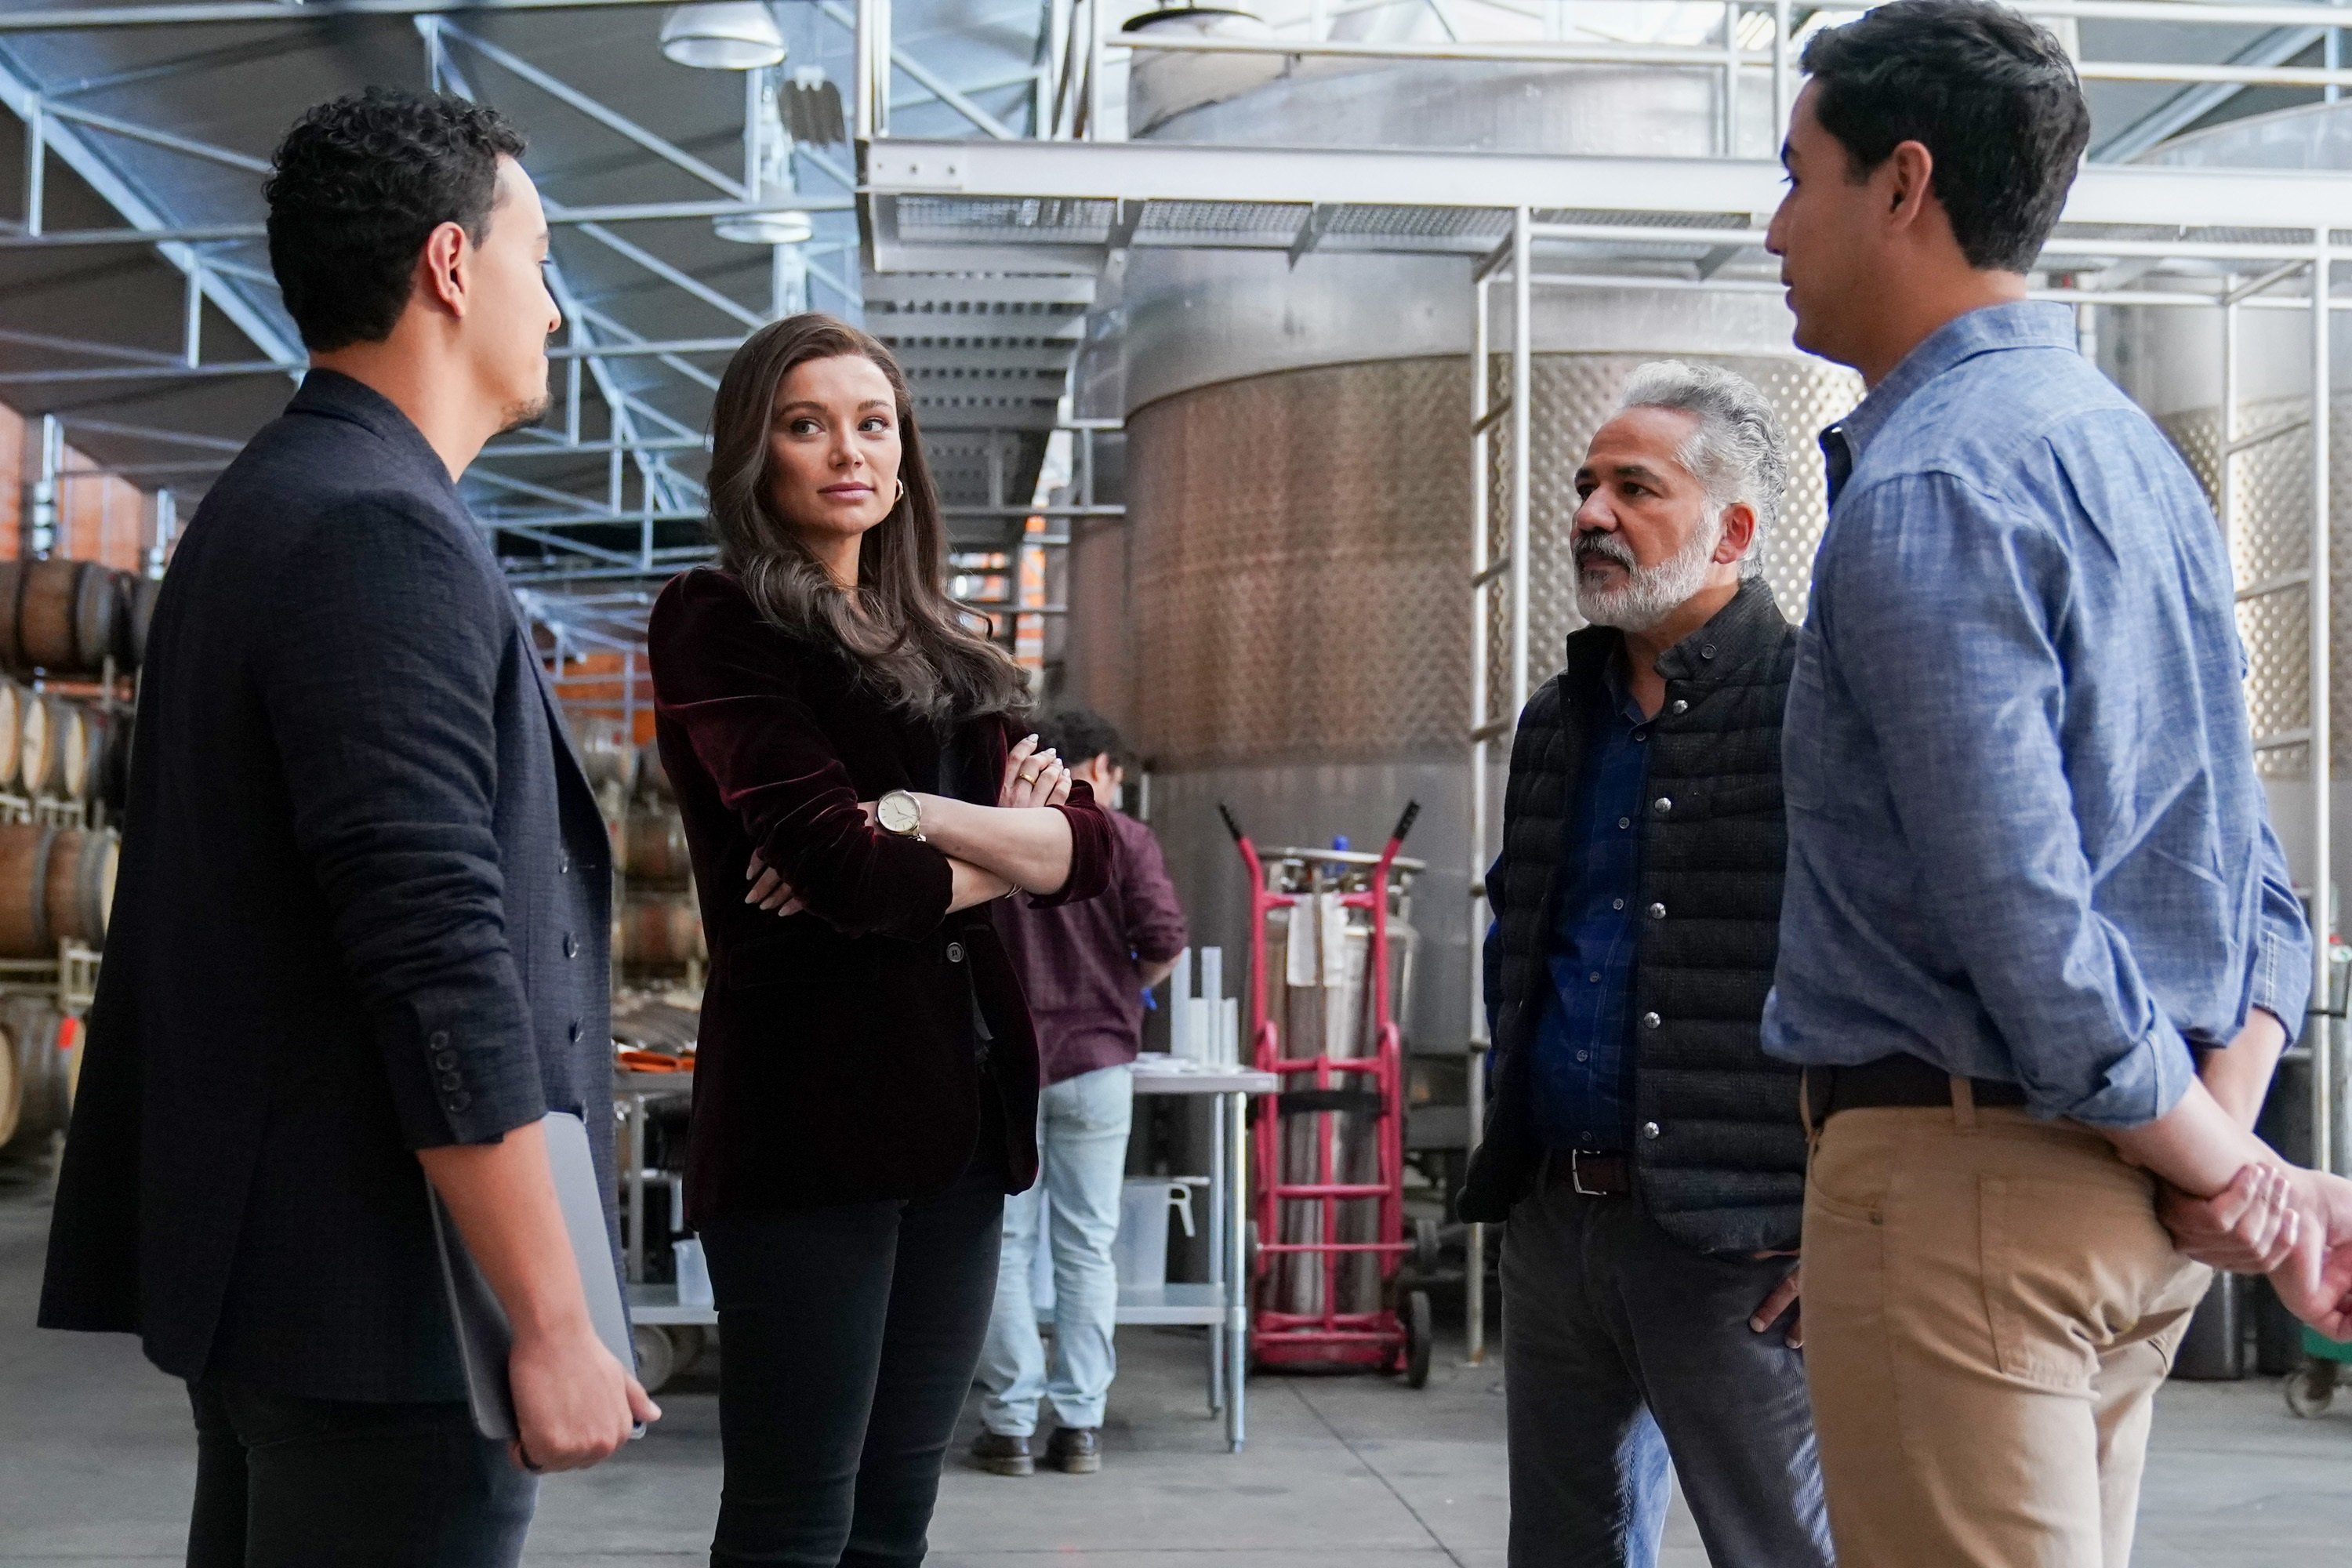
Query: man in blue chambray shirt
[[2031, 893]]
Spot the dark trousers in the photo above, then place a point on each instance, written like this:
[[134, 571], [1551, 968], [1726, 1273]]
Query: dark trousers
[[1621, 1348], [286, 1482], [848, 1338]]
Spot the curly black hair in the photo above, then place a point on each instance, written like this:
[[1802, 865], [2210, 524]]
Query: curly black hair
[[1991, 96], [355, 189]]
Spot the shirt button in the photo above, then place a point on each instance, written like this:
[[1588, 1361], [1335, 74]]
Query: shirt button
[[1657, 911], [1616, 904], [1624, 822], [955, 953], [1580, 1055], [1595, 978], [1649, 1130], [459, 1101], [451, 1081], [444, 1061], [575, 1029], [571, 945], [1650, 1020], [564, 865], [1707, 650], [1662, 804], [439, 1039], [1681, 706]]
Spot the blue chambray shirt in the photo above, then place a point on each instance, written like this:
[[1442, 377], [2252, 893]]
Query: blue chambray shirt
[[2025, 838], [1582, 1098]]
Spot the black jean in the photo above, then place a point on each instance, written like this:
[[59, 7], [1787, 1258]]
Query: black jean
[[848, 1338], [287, 1482]]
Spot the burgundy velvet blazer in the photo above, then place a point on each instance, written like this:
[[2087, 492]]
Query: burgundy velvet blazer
[[837, 1060]]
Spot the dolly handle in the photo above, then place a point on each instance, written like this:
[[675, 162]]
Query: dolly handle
[[1231, 825], [1404, 823]]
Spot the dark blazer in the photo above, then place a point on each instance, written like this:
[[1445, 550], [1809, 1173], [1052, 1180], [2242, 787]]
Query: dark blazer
[[1719, 1150], [837, 1060], [362, 910]]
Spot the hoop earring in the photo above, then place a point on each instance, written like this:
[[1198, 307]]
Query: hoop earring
[[902, 493]]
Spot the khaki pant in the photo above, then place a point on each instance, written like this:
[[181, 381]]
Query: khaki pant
[[1990, 1305]]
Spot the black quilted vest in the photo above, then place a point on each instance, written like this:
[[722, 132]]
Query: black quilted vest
[[1719, 1150]]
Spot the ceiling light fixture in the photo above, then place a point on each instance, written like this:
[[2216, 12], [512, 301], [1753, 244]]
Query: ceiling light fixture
[[723, 36]]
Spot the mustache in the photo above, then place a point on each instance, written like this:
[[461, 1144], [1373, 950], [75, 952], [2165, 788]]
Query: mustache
[[1607, 547]]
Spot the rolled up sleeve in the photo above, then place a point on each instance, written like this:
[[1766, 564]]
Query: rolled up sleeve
[[729, 681], [2282, 975], [1945, 601], [379, 680]]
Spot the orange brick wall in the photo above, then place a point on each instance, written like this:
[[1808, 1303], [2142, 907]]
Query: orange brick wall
[[99, 516]]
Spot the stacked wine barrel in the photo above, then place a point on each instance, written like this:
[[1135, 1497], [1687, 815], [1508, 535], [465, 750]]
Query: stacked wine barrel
[[40, 1066], [656, 923], [70, 617], [56, 885], [53, 749]]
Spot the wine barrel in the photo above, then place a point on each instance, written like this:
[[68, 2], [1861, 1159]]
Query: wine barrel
[[661, 931], [87, 784], [12, 1088], [56, 885], [136, 615], [44, 1046], [81, 894], [605, 754], [41, 739], [13, 699], [653, 849], [114, 762], [66, 764], [63, 617]]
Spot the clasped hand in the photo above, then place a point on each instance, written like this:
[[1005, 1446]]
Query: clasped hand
[[1033, 778], [2293, 1224]]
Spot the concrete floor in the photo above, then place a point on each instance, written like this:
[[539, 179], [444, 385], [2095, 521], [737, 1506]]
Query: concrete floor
[[96, 1464]]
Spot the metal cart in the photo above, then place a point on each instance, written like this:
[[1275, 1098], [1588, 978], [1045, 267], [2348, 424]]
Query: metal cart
[[1330, 1153], [668, 1334], [1221, 1305]]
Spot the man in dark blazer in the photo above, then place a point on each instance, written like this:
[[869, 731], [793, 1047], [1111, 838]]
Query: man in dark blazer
[[1648, 1156], [360, 924]]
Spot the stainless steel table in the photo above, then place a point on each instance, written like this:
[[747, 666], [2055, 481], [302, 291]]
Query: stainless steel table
[[1221, 1305]]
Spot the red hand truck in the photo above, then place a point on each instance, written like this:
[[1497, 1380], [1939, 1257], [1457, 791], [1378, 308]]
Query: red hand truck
[[1319, 1089]]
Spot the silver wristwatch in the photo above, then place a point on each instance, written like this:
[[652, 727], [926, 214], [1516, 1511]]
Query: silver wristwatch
[[900, 815]]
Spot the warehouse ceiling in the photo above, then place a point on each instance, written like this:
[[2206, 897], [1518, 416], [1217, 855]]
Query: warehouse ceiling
[[163, 353]]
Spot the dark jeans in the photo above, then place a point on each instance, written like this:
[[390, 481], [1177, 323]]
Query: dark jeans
[[286, 1482], [848, 1338], [1622, 1347]]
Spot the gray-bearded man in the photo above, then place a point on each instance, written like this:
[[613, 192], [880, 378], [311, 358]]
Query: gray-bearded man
[[1648, 1156]]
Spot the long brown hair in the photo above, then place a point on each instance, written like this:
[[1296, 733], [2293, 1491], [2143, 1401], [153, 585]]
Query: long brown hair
[[904, 633]]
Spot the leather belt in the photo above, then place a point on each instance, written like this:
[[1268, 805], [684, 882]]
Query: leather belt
[[1898, 1080], [1589, 1174]]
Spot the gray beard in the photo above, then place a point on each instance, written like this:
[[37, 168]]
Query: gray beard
[[1650, 593]]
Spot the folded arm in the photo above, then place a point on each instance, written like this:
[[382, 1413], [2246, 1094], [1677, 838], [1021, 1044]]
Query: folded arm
[[731, 682]]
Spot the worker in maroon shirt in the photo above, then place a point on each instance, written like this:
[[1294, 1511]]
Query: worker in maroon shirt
[[1085, 968]]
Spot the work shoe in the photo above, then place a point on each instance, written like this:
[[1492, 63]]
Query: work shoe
[[1076, 1450], [1003, 1454]]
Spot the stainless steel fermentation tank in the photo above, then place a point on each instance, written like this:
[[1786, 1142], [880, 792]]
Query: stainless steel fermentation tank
[[1284, 620], [2237, 397]]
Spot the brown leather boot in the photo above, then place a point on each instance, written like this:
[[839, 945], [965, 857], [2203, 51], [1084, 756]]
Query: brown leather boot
[[1076, 1450], [1000, 1454]]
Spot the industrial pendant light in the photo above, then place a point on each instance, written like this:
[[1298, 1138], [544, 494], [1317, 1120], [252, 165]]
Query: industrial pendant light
[[723, 36]]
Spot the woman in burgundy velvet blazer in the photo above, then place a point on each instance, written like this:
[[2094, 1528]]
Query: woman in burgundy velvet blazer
[[866, 1081]]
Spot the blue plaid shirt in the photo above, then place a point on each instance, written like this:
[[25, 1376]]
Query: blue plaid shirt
[[2025, 838], [1583, 1088]]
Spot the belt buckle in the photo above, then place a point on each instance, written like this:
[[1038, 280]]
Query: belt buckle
[[1576, 1176]]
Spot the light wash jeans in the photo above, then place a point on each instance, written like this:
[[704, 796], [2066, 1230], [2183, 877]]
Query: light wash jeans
[[1082, 1150]]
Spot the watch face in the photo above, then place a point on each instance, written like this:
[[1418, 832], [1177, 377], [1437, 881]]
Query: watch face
[[898, 814]]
